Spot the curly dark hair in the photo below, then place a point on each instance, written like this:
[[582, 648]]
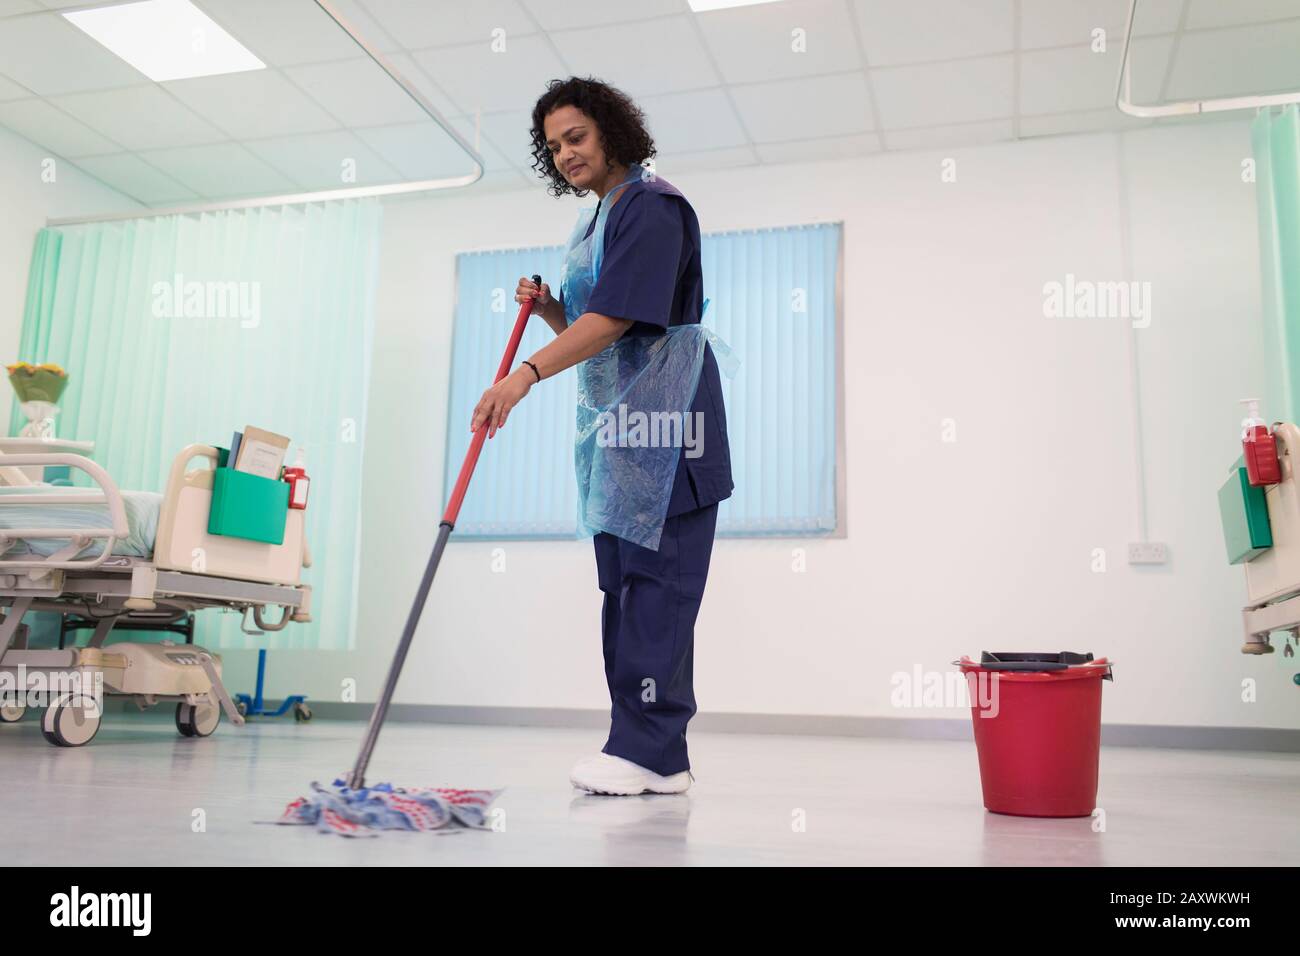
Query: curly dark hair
[[620, 124]]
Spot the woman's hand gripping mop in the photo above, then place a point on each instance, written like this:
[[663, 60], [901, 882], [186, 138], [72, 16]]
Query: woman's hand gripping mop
[[349, 807]]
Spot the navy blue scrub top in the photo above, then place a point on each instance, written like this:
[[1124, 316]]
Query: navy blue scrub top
[[651, 274]]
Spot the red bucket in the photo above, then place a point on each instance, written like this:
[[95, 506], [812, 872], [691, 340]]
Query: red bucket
[[1038, 730]]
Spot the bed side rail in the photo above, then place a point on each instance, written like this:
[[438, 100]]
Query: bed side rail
[[80, 537]]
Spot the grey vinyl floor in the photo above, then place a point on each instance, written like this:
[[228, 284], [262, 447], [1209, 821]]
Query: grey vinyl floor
[[141, 794]]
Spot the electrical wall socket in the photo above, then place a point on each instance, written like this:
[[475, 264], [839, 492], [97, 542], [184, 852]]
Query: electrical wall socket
[[1148, 552]]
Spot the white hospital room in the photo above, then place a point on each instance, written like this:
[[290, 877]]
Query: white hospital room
[[425, 412]]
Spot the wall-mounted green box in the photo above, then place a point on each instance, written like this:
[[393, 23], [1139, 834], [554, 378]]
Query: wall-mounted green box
[[248, 506], [1243, 509]]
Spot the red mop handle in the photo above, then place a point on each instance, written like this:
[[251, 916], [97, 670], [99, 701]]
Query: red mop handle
[[476, 444]]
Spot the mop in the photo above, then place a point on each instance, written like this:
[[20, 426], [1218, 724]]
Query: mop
[[348, 807]]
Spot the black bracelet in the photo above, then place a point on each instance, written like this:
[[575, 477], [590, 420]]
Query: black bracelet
[[534, 368]]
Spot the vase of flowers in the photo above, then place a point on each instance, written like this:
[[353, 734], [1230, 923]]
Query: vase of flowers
[[38, 388]]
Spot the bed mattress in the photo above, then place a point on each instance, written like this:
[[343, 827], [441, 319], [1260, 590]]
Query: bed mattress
[[142, 509]]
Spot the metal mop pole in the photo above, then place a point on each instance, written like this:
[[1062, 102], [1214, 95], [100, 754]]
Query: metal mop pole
[[357, 779]]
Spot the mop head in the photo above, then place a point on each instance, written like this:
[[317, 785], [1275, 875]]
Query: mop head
[[365, 812]]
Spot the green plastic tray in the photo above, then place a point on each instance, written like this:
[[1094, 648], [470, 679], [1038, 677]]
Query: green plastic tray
[[1243, 510], [248, 506]]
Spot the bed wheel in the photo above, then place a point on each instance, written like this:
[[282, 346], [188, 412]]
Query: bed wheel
[[301, 713], [11, 712], [242, 707], [71, 721], [197, 720]]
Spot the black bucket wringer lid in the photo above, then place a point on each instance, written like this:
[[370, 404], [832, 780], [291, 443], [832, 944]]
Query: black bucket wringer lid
[[1037, 661]]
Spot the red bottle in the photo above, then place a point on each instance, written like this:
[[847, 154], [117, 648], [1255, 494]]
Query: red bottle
[[299, 483], [1259, 447]]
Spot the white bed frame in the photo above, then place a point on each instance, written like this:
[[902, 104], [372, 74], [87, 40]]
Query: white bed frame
[[188, 571], [1273, 578]]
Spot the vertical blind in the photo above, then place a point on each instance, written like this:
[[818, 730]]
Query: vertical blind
[[523, 484], [772, 297]]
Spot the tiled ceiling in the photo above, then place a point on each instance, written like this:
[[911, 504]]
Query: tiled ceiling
[[773, 83]]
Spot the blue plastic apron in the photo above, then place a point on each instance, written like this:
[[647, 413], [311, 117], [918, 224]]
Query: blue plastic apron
[[634, 401]]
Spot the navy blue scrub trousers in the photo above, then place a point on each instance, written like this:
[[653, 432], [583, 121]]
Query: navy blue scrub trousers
[[648, 633]]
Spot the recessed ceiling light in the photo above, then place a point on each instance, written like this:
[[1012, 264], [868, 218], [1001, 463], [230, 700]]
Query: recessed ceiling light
[[166, 39], [699, 6]]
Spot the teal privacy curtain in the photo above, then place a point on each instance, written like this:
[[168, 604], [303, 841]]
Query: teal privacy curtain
[[274, 329], [1275, 140], [772, 297]]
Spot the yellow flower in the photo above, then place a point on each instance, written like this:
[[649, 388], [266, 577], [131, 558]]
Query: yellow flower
[[29, 369]]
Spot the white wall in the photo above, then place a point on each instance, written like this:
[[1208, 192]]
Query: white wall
[[26, 199]]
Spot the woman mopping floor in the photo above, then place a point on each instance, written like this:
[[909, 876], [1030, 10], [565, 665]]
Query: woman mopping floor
[[652, 457]]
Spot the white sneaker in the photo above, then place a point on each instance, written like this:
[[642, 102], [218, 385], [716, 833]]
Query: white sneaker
[[616, 776]]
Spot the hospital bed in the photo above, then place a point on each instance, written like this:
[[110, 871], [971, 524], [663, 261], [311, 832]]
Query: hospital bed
[[1273, 577], [122, 558]]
